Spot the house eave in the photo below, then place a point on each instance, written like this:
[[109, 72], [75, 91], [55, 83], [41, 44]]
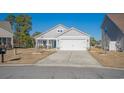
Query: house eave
[[46, 38]]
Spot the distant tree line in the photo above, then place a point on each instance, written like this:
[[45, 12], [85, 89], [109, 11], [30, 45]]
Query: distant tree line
[[93, 41]]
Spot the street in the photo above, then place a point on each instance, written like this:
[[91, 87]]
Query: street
[[59, 72]]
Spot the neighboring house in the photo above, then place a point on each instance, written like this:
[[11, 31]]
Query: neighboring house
[[113, 32], [6, 35], [63, 38]]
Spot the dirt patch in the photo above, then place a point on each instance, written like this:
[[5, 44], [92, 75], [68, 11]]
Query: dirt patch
[[110, 59], [26, 56]]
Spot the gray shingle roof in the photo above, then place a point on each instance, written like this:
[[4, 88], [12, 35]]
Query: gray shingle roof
[[5, 29], [118, 19], [6, 25]]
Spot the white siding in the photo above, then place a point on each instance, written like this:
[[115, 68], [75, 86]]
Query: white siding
[[54, 32]]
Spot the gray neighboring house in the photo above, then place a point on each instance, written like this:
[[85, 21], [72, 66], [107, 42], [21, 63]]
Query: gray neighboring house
[[6, 35], [63, 38], [113, 32]]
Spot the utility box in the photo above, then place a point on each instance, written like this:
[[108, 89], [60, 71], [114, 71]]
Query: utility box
[[112, 46]]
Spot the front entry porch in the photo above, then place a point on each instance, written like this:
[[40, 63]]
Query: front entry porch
[[46, 43]]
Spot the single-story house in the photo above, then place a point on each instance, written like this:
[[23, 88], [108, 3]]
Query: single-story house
[[63, 38], [6, 35], [113, 32]]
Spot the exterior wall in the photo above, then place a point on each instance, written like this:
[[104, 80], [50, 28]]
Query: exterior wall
[[113, 33], [122, 42], [105, 40], [6, 37]]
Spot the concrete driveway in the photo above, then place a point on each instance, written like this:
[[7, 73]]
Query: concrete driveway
[[73, 58]]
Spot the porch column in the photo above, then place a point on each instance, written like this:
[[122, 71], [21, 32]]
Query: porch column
[[42, 42], [57, 44], [6, 42], [36, 45], [52, 44], [47, 43], [12, 42]]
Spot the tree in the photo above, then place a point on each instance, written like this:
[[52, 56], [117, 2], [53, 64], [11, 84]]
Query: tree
[[11, 19], [23, 26], [35, 34], [93, 41]]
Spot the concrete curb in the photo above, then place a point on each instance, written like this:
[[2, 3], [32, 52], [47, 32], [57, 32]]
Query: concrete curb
[[4, 65], [80, 66], [59, 65]]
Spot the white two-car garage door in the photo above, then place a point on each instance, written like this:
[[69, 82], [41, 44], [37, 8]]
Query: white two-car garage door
[[73, 44]]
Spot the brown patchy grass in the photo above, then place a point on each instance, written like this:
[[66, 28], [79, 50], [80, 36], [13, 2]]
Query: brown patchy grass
[[26, 56], [110, 59]]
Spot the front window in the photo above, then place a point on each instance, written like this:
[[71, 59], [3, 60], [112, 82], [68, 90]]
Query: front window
[[60, 30], [106, 29], [3, 40]]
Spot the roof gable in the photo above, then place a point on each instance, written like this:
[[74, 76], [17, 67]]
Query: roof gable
[[118, 20], [6, 25], [5, 33], [53, 32], [74, 32]]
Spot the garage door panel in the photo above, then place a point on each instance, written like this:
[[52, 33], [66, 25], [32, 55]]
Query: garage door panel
[[73, 44]]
